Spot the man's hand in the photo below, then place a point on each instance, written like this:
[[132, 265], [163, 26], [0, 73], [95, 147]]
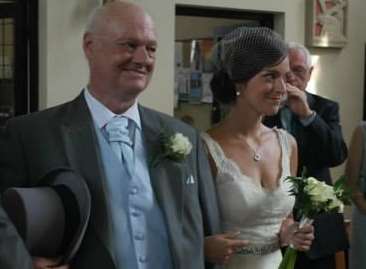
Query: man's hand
[[300, 238], [220, 247], [297, 102], [47, 263], [303, 237]]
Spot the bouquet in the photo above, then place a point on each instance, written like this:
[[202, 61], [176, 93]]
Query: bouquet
[[313, 197]]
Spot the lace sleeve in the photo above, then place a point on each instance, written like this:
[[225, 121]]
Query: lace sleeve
[[214, 150], [284, 139]]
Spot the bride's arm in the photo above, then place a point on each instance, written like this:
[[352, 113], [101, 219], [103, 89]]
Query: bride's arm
[[220, 247]]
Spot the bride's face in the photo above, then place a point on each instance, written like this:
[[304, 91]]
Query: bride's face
[[266, 91]]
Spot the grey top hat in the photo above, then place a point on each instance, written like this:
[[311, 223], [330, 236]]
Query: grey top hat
[[52, 217]]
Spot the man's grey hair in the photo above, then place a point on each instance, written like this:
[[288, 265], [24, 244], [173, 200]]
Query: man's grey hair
[[94, 19], [97, 16], [303, 49]]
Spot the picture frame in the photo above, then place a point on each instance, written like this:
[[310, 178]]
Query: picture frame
[[326, 23]]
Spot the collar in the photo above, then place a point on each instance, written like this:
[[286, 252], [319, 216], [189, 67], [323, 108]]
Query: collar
[[102, 115]]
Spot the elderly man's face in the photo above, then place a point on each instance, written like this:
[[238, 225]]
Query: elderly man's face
[[121, 54], [300, 72]]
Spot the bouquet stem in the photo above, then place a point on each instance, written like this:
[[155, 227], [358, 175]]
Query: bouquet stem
[[288, 261]]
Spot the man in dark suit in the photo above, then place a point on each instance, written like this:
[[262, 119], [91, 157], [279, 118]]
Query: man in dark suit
[[314, 122], [144, 214]]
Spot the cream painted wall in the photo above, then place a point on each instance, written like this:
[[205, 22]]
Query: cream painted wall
[[64, 72], [63, 69]]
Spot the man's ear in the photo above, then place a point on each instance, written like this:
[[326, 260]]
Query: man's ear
[[311, 71], [88, 44]]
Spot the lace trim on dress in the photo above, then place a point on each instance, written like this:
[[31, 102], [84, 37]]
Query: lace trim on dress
[[227, 165], [284, 139], [215, 150]]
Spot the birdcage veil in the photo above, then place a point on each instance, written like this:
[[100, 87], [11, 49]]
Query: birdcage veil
[[247, 50]]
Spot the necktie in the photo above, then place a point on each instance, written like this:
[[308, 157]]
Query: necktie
[[120, 142], [286, 118]]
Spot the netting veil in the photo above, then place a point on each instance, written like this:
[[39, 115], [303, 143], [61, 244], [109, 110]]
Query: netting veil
[[247, 50]]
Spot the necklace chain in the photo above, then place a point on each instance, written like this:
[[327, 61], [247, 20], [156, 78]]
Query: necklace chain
[[257, 156]]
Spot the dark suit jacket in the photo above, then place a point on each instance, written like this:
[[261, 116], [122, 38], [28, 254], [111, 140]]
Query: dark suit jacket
[[64, 136], [321, 146]]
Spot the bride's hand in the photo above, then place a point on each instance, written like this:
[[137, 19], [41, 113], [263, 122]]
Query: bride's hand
[[220, 247], [44, 263], [299, 238]]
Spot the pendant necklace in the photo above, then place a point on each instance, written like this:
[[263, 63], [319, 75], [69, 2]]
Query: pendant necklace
[[257, 156]]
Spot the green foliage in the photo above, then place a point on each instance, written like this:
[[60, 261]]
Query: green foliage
[[342, 191]]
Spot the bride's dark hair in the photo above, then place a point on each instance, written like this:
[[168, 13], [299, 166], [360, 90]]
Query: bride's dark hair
[[244, 52]]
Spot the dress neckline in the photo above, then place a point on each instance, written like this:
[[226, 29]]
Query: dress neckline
[[239, 171]]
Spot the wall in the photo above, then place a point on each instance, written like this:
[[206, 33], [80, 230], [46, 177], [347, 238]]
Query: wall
[[63, 69], [62, 66]]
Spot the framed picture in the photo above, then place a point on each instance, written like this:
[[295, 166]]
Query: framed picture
[[326, 23]]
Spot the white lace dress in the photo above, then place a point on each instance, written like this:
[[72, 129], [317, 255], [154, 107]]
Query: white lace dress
[[247, 207]]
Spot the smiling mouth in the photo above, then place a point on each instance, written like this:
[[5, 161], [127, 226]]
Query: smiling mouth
[[139, 73], [277, 100]]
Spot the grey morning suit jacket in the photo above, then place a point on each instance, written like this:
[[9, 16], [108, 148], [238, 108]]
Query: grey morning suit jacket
[[64, 136]]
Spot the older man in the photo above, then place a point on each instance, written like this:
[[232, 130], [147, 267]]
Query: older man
[[314, 122], [151, 206]]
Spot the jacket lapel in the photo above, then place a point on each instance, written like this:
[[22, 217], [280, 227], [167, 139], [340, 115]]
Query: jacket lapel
[[167, 177], [311, 100], [79, 134]]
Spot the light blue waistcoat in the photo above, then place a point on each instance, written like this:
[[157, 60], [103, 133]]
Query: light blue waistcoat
[[141, 240]]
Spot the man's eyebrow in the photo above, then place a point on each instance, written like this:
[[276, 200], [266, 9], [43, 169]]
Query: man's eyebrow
[[270, 70], [131, 39]]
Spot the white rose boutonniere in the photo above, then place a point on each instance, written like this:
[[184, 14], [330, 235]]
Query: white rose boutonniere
[[178, 147], [175, 147]]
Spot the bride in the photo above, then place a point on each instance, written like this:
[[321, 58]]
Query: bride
[[249, 160]]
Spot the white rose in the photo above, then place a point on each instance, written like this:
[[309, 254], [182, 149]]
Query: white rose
[[180, 144], [322, 193], [319, 191]]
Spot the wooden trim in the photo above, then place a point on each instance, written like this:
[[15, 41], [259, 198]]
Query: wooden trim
[[265, 19]]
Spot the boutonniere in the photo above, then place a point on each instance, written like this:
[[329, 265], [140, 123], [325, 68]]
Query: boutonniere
[[174, 147]]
